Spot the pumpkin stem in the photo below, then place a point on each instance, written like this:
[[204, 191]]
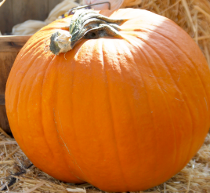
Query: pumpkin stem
[[85, 24]]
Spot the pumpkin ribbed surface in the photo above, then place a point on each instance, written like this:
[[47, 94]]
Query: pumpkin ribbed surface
[[122, 114]]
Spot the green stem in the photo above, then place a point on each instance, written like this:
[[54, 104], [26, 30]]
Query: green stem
[[85, 24]]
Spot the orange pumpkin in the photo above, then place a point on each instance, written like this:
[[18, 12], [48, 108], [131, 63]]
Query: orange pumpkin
[[124, 114]]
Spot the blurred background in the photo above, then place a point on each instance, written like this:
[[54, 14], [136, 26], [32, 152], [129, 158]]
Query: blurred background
[[13, 12]]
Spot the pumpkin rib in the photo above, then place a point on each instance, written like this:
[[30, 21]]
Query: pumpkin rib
[[33, 59], [175, 84], [84, 177], [60, 140], [152, 48], [30, 94], [146, 56], [150, 109], [195, 66], [74, 129], [160, 89], [171, 40], [174, 80], [149, 104], [85, 70], [139, 72], [81, 65], [20, 57], [37, 54], [196, 72], [41, 99], [67, 149], [111, 118], [96, 53], [98, 48], [158, 54], [18, 104], [125, 93], [193, 130]]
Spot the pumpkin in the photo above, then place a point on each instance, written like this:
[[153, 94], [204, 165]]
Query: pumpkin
[[123, 113]]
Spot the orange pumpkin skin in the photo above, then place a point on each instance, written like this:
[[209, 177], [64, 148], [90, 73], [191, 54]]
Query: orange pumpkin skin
[[122, 114]]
